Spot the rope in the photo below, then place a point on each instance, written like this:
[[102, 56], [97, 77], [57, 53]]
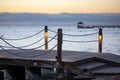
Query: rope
[[31, 43], [26, 37], [25, 45], [6, 46], [75, 35], [80, 41], [44, 43], [9, 44], [53, 48], [52, 31], [81, 35], [31, 48], [17, 54]]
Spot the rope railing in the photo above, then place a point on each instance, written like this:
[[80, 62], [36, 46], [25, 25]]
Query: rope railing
[[32, 56], [65, 40], [32, 43], [75, 34], [24, 56], [52, 31], [44, 43], [6, 46], [80, 41], [24, 46], [81, 35], [25, 37], [100, 36], [51, 38], [9, 43], [27, 45]]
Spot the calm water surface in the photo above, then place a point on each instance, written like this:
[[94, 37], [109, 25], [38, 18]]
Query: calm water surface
[[111, 38]]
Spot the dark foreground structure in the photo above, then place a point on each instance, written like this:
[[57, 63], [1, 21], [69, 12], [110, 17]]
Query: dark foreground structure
[[43, 65]]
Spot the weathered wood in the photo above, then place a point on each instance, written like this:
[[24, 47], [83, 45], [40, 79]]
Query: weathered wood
[[69, 58], [59, 46], [49, 57]]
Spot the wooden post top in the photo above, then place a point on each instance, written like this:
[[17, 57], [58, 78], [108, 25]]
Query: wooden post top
[[46, 28]]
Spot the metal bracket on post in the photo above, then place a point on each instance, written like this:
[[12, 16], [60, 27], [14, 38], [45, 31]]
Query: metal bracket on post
[[100, 40]]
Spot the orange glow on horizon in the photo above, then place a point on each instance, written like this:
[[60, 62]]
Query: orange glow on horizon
[[59, 6]]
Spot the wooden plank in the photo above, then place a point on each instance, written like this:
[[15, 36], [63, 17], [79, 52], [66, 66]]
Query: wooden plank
[[91, 65], [68, 56], [107, 70], [49, 56]]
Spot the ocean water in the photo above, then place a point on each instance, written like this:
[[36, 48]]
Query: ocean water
[[111, 38]]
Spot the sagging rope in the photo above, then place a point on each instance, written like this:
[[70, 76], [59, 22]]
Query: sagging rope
[[81, 35], [23, 49], [26, 45], [74, 34], [52, 31], [78, 41], [25, 37], [44, 43], [81, 41], [17, 54]]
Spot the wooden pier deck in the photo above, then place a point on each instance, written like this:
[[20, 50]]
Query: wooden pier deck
[[88, 62], [72, 57], [67, 56]]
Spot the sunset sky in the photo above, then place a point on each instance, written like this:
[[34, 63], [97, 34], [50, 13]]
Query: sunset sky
[[60, 6]]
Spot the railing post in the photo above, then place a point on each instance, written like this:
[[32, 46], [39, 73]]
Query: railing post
[[59, 53], [59, 46], [46, 37], [100, 40]]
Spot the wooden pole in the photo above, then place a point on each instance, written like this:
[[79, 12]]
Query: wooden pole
[[59, 46], [59, 53], [100, 40], [46, 37]]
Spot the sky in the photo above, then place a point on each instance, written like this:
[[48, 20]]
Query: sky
[[60, 6]]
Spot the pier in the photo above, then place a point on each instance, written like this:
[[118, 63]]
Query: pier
[[34, 64], [77, 63], [97, 26]]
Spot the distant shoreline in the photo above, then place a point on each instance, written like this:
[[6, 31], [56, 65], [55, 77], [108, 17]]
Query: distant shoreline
[[67, 19]]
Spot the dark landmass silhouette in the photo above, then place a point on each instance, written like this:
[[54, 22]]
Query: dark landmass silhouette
[[59, 19]]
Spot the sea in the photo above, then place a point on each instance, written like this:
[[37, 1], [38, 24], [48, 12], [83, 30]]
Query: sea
[[74, 39]]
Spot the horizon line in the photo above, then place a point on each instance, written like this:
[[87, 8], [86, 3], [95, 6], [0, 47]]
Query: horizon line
[[59, 13]]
